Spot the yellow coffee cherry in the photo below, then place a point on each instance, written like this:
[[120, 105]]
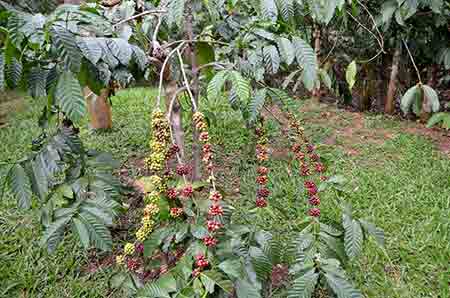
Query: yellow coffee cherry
[[120, 259], [129, 249]]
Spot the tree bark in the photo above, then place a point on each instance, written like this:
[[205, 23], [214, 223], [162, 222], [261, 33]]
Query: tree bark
[[196, 175], [176, 120], [317, 35], [392, 88], [99, 109]]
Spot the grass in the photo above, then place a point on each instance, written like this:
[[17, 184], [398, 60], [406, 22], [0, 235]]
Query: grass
[[401, 183]]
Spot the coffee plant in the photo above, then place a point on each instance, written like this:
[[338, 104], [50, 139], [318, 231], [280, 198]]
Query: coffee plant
[[252, 54]]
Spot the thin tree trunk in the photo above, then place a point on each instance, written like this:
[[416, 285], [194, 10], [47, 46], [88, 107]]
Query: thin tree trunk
[[317, 35], [195, 91], [390, 98], [99, 109], [176, 119]]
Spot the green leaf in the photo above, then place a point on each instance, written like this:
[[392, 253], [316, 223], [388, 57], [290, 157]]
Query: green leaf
[[82, 232], [341, 287], [175, 12], [66, 45], [286, 9], [199, 231], [212, 278], [303, 286], [98, 232], [20, 186], [261, 263], [13, 72], [168, 283], [353, 236], [323, 11], [387, 10], [325, 78], [91, 48], [37, 82], [269, 10], [216, 84], [271, 59], [121, 50], [244, 289], [139, 57], [438, 118], [54, 233], [432, 99], [233, 268], [69, 96], [104, 216], [240, 85], [286, 49], [350, 74], [152, 290], [374, 231], [257, 104], [306, 58], [409, 98]]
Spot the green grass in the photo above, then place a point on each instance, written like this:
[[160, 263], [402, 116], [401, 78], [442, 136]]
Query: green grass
[[401, 184]]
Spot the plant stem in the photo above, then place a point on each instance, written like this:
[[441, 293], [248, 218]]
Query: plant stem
[[154, 11], [413, 62], [161, 74]]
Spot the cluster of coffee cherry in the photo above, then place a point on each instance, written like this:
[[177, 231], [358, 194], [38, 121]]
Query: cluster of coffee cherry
[[156, 162], [262, 156], [200, 263], [309, 164], [215, 209]]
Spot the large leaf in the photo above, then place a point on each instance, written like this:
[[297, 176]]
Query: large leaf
[[152, 290], [350, 74], [69, 96], [66, 45], [353, 237], [444, 57], [432, 99], [257, 104], [438, 118], [13, 72], [20, 186], [269, 10], [37, 82], [303, 286], [216, 84], [341, 287], [98, 232], [306, 58], [244, 289], [240, 85], [233, 268], [409, 98], [212, 278], [175, 12], [82, 232], [139, 57], [91, 48], [54, 233], [286, 8], [261, 263], [373, 231], [323, 11], [287, 50], [120, 49], [271, 59]]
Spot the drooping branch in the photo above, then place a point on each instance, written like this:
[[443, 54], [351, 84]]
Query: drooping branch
[[161, 74], [186, 82], [148, 12]]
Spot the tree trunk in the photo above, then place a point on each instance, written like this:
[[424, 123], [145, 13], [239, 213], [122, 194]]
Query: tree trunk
[[176, 119], [196, 175], [99, 109], [389, 106], [317, 33]]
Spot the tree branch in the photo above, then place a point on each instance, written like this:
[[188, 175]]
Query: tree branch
[[154, 11]]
